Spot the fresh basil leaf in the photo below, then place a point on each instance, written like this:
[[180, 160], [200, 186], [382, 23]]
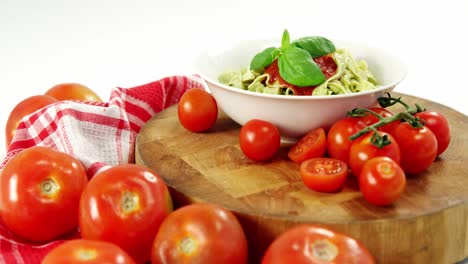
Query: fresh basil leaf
[[297, 67], [316, 46], [285, 40], [264, 59]]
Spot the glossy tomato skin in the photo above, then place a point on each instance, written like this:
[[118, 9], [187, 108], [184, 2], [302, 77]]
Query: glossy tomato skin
[[259, 140], [316, 245], [370, 119], [439, 125], [338, 142], [125, 205], [197, 110], [73, 91], [87, 252], [40, 193], [312, 145], [324, 174], [22, 109], [382, 181], [200, 233], [362, 150], [418, 147]]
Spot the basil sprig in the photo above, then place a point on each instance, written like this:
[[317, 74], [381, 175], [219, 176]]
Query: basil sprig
[[295, 59]]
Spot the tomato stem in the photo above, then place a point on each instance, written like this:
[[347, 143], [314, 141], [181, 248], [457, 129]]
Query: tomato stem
[[389, 101], [360, 112]]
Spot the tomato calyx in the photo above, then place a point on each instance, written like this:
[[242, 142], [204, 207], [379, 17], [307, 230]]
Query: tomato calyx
[[49, 187], [389, 101], [130, 202]]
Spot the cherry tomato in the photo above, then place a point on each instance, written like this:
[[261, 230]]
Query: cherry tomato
[[324, 174], [197, 110], [382, 181], [316, 245], [73, 91], [418, 147], [125, 205], [338, 143], [439, 125], [40, 193], [200, 233], [87, 251], [259, 140], [363, 150], [370, 119], [312, 145], [22, 109]]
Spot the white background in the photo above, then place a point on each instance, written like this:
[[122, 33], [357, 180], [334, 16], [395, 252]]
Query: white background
[[104, 44]]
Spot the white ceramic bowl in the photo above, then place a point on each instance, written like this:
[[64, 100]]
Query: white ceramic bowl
[[293, 115]]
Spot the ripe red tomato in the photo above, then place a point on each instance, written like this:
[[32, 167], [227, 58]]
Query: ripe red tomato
[[338, 143], [363, 150], [439, 125], [316, 245], [40, 193], [87, 251], [125, 205], [382, 181], [312, 145], [22, 109], [418, 147], [259, 140], [370, 119], [324, 174], [197, 110], [200, 233], [73, 91]]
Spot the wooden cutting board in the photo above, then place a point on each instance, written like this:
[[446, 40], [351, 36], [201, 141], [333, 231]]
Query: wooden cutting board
[[428, 224]]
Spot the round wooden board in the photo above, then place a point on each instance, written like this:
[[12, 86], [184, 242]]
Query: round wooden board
[[428, 224]]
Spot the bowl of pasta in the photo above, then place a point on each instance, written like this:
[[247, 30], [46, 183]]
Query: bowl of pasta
[[297, 85]]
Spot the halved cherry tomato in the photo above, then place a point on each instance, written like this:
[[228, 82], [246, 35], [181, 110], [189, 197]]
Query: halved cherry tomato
[[316, 245], [439, 125], [363, 150], [200, 233], [22, 109], [338, 142], [87, 252], [259, 140], [324, 174], [73, 91], [382, 181], [370, 119], [40, 191], [418, 147], [197, 110], [125, 205], [312, 145]]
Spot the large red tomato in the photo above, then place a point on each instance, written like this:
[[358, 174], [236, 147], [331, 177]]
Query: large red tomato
[[200, 233], [87, 252], [197, 110], [125, 205], [439, 125], [73, 91], [40, 193], [22, 109], [259, 140], [316, 245], [338, 142]]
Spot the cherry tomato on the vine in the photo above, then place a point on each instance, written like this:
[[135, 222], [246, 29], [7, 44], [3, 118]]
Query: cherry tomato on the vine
[[439, 125], [312, 145], [338, 142], [382, 181], [73, 91], [197, 110], [200, 233], [125, 205], [40, 193], [85, 251], [324, 174], [370, 119], [259, 140], [316, 245]]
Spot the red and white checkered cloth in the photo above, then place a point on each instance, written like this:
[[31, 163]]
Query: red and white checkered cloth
[[98, 134]]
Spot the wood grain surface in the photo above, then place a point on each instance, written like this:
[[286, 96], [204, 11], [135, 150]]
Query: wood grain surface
[[428, 224]]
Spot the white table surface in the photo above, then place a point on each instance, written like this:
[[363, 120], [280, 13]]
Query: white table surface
[[107, 43]]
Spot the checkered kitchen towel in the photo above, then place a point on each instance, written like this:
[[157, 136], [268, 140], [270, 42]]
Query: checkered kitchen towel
[[99, 134]]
